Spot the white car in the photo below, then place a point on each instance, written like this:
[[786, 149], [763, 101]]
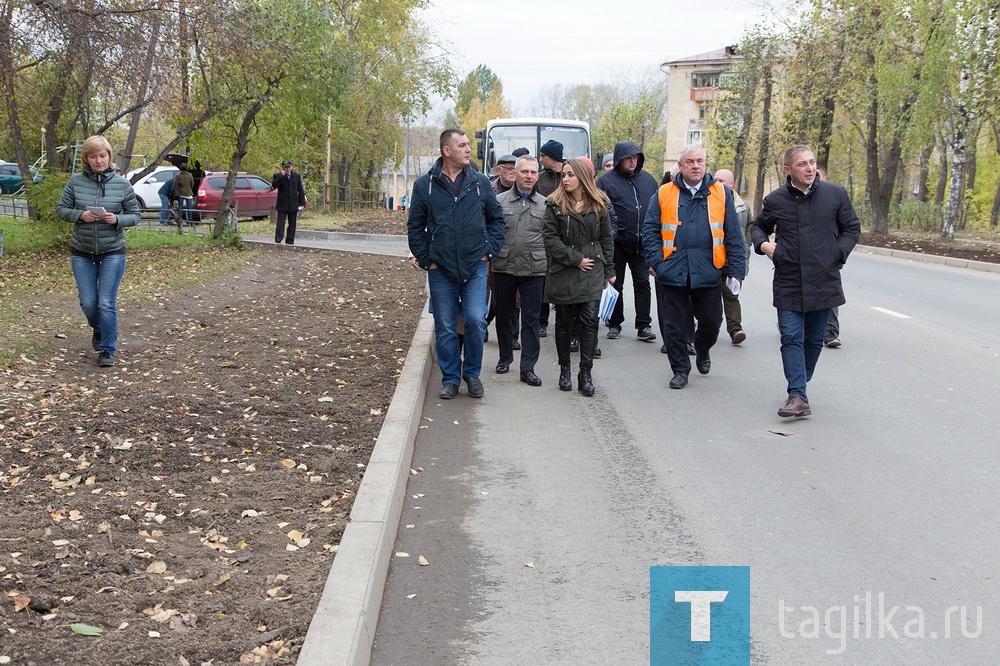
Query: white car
[[147, 188]]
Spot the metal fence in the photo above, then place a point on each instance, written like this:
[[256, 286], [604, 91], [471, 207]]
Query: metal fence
[[344, 199], [12, 206]]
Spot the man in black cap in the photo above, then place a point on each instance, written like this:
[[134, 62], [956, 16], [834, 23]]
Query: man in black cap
[[291, 199], [551, 157], [503, 175]]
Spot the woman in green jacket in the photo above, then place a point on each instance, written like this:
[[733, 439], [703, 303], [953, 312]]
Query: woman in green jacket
[[99, 204], [580, 250]]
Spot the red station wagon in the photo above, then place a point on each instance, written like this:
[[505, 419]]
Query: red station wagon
[[253, 196]]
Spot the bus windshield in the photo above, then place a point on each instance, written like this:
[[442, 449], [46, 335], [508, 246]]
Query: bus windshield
[[505, 139]]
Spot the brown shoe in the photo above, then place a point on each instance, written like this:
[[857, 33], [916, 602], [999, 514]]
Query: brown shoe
[[795, 406]]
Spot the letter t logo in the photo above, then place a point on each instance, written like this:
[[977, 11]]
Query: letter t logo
[[701, 610]]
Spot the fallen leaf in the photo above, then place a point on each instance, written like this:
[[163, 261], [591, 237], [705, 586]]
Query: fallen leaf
[[288, 462], [86, 629], [402, 554], [422, 561], [157, 567], [20, 603], [529, 565]]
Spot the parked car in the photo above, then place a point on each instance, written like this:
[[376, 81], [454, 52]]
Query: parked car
[[253, 196], [147, 188], [10, 177]]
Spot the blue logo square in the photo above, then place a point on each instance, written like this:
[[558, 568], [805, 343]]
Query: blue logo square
[[699, 616]]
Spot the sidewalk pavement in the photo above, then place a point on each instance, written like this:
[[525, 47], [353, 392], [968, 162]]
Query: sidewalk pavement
[[343, 627]]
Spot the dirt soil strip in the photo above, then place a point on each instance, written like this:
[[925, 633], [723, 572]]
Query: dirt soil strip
[[188, 502]]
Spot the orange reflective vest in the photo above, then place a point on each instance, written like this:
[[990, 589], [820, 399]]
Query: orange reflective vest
[[668, 197]]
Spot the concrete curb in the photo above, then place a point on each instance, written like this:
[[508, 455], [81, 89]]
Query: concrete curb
[[343, 628], [932, 259]]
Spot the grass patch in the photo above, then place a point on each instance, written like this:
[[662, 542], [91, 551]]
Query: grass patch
[[316, 220], [39, 298]]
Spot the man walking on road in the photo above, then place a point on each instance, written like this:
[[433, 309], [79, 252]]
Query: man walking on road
[[455, 228], [731, 301], [690, 232], [630, 188], [520, 267], [291, 199], [815, 229]]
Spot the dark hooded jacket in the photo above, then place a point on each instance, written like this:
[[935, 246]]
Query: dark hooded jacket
[[109, 191], [454, 232], [814, 233], [630, 195]]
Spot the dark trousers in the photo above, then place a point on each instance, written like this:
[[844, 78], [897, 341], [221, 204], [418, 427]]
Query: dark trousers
[[531, 288], [636, 263], [661, 318], [734, 313], [681, 306], [565, 315], [279, 229], [832, 325]]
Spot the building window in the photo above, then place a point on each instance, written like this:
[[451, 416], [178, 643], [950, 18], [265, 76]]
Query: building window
[[702, 111], [693, 138], [705, 80]]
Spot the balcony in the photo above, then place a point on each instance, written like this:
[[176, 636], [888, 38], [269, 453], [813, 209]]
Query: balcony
[[704, 94]]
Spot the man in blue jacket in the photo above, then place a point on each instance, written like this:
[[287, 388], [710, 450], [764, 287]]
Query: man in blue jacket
[[690, 232], [455, 228], [630, 188]]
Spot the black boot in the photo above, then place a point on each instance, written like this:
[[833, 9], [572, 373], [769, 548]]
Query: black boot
[[585, 382], [565, 378]]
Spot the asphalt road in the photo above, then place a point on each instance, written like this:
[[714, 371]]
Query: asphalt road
[[540, 512]]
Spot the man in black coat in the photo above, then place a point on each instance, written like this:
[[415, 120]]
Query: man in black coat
[[291, 199], [815, 228]]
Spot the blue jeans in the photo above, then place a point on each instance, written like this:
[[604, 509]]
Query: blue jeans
[[164, 208], [97, 281], [184, 207], [451, 299], [801, 343]]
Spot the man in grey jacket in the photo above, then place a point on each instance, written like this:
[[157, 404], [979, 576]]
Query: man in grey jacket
[[520, 267]]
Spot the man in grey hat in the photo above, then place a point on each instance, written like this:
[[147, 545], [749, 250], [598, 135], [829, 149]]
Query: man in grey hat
[[503, 175], [291, 199]]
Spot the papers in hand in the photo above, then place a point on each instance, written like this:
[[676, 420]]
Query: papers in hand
[[608, 299], [97, 210], [734, 285]]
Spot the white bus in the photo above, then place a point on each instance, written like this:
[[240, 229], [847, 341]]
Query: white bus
[[503, 136]]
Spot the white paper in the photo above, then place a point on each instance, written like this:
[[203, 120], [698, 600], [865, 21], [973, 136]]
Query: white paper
[[734, 285], [97, 210]]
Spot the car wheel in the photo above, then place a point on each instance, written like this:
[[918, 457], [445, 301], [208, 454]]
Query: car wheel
[[142, 204]]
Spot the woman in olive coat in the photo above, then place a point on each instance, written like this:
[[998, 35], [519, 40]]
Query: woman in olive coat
[[580, 251]]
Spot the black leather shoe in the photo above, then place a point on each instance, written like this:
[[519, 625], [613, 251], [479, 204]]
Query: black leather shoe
[[679, 381], [530, 378], [95, 341], [448, 391], [574, 345], [503, 367], [663, 348], [517, 345], [704, 363], [691, 351], [475, 387], [543, 331], [597, 352]]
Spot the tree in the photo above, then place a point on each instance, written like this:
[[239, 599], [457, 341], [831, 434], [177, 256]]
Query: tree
[[477, 85], [974, 40]]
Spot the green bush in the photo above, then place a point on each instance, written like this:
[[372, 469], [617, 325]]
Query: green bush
[[915, 215], [45, 195]]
